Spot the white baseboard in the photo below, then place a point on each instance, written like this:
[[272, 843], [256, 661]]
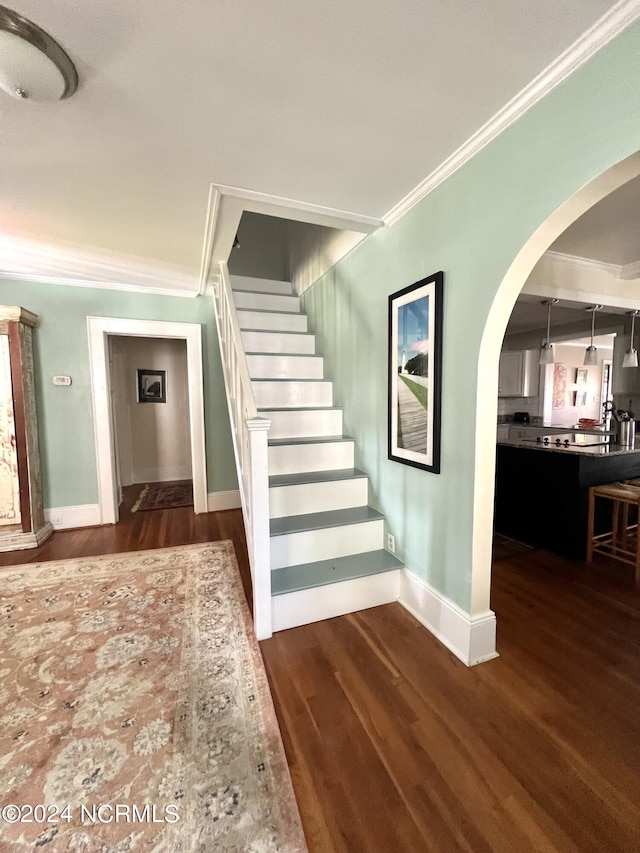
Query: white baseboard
[[161, 475], [336, 599], [63, 517], [217, 501], [470, 638]]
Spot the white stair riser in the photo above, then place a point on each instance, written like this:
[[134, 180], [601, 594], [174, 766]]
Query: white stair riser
[[292, 549], [300, 458], [279, 343], [266, 301], [292, 394], [303, 498], [272, 322], [336, 599], [264, 285], [285, 366], [301, 424]]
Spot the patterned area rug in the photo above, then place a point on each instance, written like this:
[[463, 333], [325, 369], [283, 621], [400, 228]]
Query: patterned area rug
[[164, 496], [135, 713]]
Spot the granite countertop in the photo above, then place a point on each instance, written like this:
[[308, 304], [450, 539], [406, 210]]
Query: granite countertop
[[586, 450], [597, 430]]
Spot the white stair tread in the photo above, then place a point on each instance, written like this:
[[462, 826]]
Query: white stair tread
[[316, 477], [320, 520], [323, 572]]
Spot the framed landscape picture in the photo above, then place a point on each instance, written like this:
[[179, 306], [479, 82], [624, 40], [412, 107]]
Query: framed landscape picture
[[152, 386], [415, 373]]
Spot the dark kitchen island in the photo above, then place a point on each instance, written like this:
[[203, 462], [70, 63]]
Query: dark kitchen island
[[542, 491]]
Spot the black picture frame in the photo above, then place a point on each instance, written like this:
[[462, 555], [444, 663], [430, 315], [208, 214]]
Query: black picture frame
[[415, 373], [152, 386]]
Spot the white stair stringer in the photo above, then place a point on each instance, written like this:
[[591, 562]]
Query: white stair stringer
[[327, 545]]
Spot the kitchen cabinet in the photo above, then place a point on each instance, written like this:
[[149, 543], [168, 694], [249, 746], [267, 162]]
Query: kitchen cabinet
[[542, 495], [518, 373], [511, 375], [625, 380]]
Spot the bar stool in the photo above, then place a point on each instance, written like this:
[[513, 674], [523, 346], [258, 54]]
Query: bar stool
[[622, 541]]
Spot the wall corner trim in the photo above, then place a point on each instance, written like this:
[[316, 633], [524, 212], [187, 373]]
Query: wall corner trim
[[472, 639], [217, 501], [606, 28]]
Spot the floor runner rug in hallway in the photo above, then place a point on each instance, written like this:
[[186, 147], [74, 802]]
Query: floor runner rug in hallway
[[135, 713], [164, 496]]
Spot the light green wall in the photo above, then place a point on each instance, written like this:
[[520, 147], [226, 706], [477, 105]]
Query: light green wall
[[65, 415], [472, 227]]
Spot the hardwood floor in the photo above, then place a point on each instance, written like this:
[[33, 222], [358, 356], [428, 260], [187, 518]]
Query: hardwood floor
[[394, 745], [140, 531]]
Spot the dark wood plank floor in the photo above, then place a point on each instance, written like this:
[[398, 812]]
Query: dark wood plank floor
[[394, 745]]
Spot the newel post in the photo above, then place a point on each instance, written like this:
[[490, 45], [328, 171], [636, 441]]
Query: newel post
[[260, 558]]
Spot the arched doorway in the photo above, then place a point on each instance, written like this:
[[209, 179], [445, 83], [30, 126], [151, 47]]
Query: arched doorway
[[487, 385]]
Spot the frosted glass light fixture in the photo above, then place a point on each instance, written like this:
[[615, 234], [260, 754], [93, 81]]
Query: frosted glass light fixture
[[631, 355], [547, 355], [32, 65], [591, 353]]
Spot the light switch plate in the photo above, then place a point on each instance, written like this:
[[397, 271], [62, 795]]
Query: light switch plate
[[62, 380]]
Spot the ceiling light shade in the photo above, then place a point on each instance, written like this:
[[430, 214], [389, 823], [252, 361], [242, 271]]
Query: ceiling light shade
[[547, 355], [32, 65], [590, 356], [591, 353], [631, 355]]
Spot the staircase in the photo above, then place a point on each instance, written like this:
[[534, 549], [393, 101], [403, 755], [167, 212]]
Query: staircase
[[327, 555]]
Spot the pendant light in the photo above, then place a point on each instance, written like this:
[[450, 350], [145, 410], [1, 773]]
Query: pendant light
[[546, 350], [631, 355], [591, 353]]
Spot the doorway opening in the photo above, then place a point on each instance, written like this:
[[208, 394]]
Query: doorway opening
[[517, 279], [101, 330], [150, 411]]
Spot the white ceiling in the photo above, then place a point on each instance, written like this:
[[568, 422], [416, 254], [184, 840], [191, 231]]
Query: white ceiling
[[609, 232], [338, 103]]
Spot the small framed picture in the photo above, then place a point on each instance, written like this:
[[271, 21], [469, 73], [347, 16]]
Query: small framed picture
[[581, 398], [152, 386], [582, 374]]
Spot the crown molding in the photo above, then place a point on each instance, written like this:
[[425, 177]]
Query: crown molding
[[226, 205], [611, 24], [589, 263], [627, 272], [301, 211], [29, 260], [213, 211]]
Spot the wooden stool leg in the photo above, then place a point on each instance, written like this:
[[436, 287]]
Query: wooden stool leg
[[615, 526], [624, 527], [590, 524], [638, 547]]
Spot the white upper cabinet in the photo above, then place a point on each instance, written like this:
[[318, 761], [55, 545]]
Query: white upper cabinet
[[518, 375]]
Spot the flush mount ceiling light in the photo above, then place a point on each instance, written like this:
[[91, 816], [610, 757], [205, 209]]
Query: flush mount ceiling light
[[591, 353], [546, 350], [631, 355], [32, 65]]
